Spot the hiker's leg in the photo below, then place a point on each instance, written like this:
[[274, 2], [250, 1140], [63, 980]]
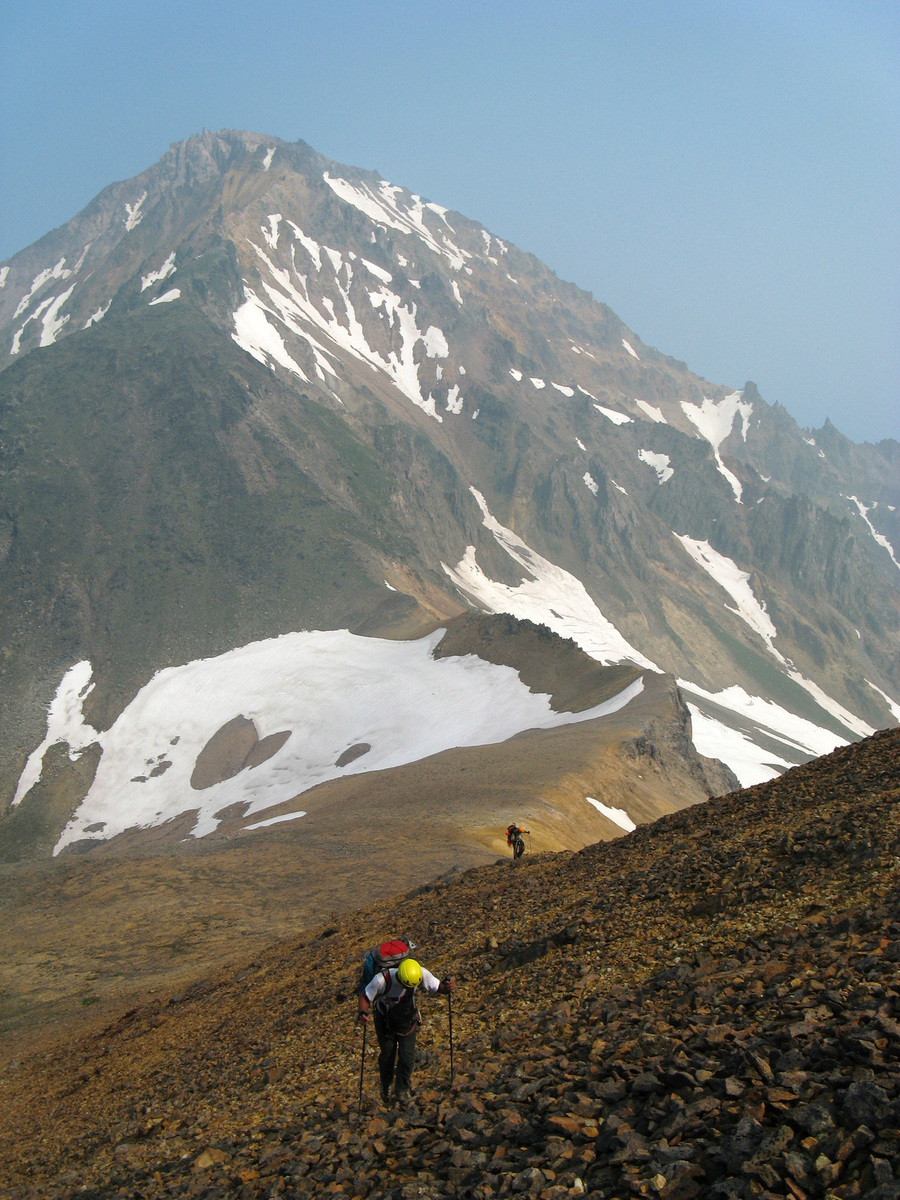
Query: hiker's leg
[[387, 1043], [406, 1057]]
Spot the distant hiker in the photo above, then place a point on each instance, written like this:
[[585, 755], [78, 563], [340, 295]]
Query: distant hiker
[[514, 839], [391, 994]]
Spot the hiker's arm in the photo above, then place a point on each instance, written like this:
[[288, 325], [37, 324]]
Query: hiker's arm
[[447, 985], [373, 988], [430, 983], [364, 1008]]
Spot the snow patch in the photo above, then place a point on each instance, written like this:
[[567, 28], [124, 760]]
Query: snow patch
[[517, 375], [267, 161], [736, 583], [864, 511], [294, 816], [312, 248], [133, 214], [436, 345], [271, 234], [96, 316], [618, 816], [65, 725], [259, 338], [617, 418], [732, 579], [378, 272], [455, 286], [454, 400], [714, 422], [4, 271], [539, 384], [580, 444], [330, 690], [168, 268], [659, 463], [399, 209], [51, 322], [59, 271], [590, 482], [655, 414], [566, 391], [17, 337], [547, 595], [892, 704], [752, 763], [294, 304], [167, 297], [630, 349]]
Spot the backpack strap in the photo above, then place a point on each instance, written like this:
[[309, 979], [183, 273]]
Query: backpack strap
[[381, 999]]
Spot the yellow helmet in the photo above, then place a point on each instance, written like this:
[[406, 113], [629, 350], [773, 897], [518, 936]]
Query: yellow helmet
[[409, 973]]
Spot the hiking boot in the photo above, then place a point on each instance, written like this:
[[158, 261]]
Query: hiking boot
[[386, 1097]]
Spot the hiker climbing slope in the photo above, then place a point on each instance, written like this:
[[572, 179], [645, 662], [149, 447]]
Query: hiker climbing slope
[[514, 839], [391, 997]]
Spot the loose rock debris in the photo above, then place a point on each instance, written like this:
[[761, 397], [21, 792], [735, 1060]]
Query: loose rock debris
[[707, 1007]]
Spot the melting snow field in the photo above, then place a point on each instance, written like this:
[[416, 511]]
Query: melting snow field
[[714, 422], [293, 307], [864, 510], [330, 691], [618, 816], [651, 411], [551, 596], [660, 463], [617, 418], [396, 208], [753, 763], [737, 584]]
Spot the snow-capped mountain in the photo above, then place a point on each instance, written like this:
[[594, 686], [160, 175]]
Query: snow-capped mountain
[[252, 396]]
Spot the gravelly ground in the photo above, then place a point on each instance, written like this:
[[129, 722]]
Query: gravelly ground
[[708, 1007]]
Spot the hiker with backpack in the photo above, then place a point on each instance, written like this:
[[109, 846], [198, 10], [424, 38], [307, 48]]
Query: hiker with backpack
[[390, 997], [514, 839]]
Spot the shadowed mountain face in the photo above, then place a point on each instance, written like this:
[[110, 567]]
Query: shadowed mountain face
[[707, 1007], [253, 392]]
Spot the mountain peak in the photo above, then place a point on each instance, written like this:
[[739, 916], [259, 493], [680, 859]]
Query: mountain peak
[[253, 393]]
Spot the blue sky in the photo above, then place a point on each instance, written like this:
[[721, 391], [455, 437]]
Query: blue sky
[[724, 175]]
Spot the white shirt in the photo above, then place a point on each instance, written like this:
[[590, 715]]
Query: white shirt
[[377, 987]]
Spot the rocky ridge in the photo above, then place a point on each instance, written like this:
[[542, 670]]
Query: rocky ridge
[[707, 1007]]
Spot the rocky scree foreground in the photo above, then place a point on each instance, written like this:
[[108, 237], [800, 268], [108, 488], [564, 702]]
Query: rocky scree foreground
[[707, 1007]]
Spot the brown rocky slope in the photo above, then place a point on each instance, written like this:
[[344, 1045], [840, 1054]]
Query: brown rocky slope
[[707, 1007]]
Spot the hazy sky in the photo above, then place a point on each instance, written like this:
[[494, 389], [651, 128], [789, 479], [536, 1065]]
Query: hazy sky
[[725, 175]]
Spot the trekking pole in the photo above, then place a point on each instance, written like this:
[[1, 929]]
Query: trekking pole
[[362, 1065], [450, 1018]]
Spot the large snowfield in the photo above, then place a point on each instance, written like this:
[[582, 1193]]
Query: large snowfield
[[329, 690], [327, 693]]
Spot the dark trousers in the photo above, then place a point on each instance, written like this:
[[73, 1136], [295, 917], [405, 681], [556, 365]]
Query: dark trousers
[[394, 1048]]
